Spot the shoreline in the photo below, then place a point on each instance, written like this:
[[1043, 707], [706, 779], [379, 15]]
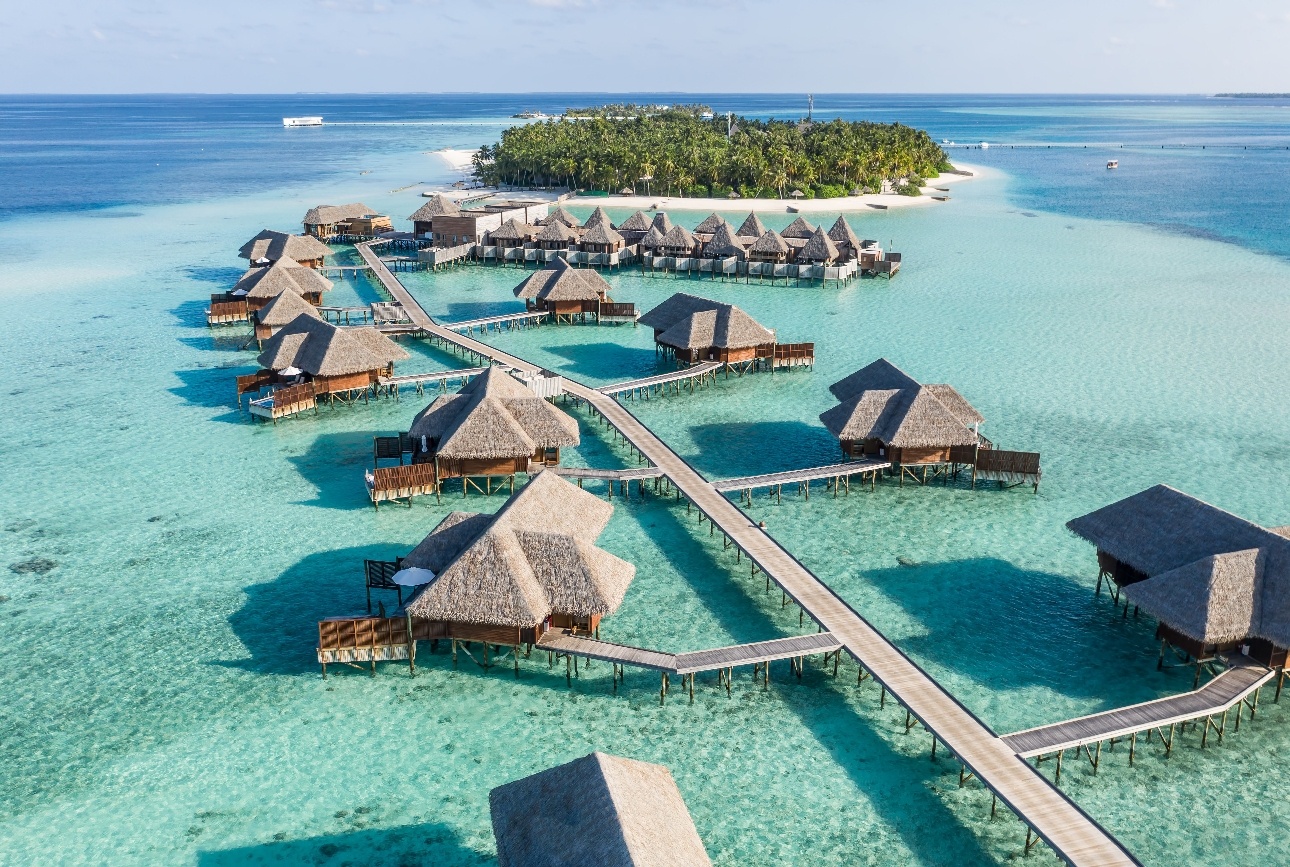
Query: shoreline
[[803, 206]]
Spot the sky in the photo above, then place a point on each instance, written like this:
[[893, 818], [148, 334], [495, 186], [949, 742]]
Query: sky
[[512, 46]]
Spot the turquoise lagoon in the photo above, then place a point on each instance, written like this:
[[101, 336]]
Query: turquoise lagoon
[[162, 703]]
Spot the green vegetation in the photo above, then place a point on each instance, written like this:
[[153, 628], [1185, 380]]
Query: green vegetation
[[683, 153], [632, 110]]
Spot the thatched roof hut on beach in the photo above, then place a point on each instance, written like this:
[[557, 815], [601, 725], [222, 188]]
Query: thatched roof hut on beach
[[260, 285], [270, 246], [423, 217], [339, 361], [507, 578], [600, 810], [494, 426], [564, 291], [1214, 581], [697, 329], [885, 412]]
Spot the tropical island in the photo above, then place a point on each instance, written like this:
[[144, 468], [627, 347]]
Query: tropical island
[[684, 150]]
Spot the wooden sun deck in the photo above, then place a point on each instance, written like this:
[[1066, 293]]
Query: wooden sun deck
[[698, 371], [775, 480], [1215, 698], [1071, 832]]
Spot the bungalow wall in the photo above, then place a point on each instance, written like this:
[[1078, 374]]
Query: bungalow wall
[[345, 382], [1121, 573], [508, 636]]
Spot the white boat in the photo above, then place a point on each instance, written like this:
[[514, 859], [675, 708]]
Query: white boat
[[302, 121], [1112, 164], [984, 145]]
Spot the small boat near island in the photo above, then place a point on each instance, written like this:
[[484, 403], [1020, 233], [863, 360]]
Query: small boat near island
[[1112, 164], [302, 121]]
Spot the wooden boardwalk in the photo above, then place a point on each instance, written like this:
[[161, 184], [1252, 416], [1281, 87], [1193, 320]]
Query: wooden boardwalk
[[1062, 824], [628, 475], [1215, 698], [688, 663], [696, 372], [837, 472], [506, 320], [391, 384]]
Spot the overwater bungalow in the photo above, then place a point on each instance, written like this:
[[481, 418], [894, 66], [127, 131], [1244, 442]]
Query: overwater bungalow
[[422, 218], [564, 291], [710, 224], [724, 244], [601, 238], [752, 227], [662, 223], [326, 221], [634, 227], [339, 362], [494, 427], [560, 215], [1216, 583], [770, 247], [678, 242], [599, 809], [555, 235], [653, 240], [694, 329], [847, 241], [818, 250], [270, 246], [280, 312], [259, 286], [799, 228], [598, 218], [512, 233]]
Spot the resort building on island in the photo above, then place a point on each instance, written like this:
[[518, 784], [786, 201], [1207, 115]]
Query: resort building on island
[[493, 427], [599, 809], [337, 362], [472, 226], [694, 329], [513, 234], [507, 578], [422, 218], [354, 220], [280, 312], [270, 246], [259, 286], [564, 291], [1216, 583]]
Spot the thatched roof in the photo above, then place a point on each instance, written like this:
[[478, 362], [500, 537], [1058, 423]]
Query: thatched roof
[[880, 374], [769, 242], [438, 206], [1283, 532], [900, 418], [842, 234], [535, 557], [601, 233], [284, 275], [637, 222], [322, 349], [653, 238], [285, 307], [956, 403], [560, 281], [662, 223], [512, 230], [598, 218], [679, 237], [600, 810], [752, 227], [326, 215], [819, 247], [493, 416], [708, 226], [690, 322], [447, 540], [554, 230], [799, 228], [273, 246], [559, 215], [1171, 537], [724, 243]]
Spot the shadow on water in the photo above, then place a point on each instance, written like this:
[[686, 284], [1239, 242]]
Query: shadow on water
[[221, 278], [1058, 631], [608, 360], [213, 387], [334, 464], [192, 313], [731, 449], [460, 311], [424, 845]]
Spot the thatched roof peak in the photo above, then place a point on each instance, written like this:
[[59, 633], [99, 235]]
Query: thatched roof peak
[[326, 215], [752, 227], [554, 230], [709, 225], [653, 238], [637, 222], [560, 281], [284, 275], [1214, 600], [439, 205], [724, 243], [272, 246], [559, 215], [799, 228], [678, 236], [956, 403], [511, 230], [841, 233], [819, 248], [599, 809], [598, 218], [601, 233], [536, 556], [880, 374], [662, 223], [321, 349], [283, 308], [690, 322], [769, 242], [899, 418]]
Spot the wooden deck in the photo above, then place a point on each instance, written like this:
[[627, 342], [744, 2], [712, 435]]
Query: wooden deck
[[733, 656], [698, 371], [390, 385], [1071, 832], [802, 477], [561, 641], [507, 320], [1215, 698], [628, 475]]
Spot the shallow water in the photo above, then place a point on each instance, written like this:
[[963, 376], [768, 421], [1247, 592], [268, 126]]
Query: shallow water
[[162, 700]]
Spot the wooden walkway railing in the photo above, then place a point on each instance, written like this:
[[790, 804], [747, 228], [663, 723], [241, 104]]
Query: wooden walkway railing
[[697, 372], [802, 478], [505, 320], [1072, 833]]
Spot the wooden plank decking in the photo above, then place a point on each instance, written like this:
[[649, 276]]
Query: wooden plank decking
[[1213, 699], [698, 371], [770, 480], [504, 320], [686, 663], [1071, 832], [628, 475], [562, 642]]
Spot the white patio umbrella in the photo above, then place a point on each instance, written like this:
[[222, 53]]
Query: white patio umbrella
[[413, 576]]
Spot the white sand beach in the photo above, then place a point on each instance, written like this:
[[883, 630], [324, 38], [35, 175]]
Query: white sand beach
[[458, 161], [805, 206]]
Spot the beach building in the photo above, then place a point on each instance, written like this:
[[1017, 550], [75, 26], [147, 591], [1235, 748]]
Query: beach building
[[564, 291], [258, 286], [280, 312], [818, 250], [270, 246], [662, 222], [493, 427], [709, 224], [506, 579], [339, 362], [1216, 583], [473, 225], [694, 329], [799, 229], [848, 243], [770, 247], [598, 218], [357, 219], [599, 809], [422, 218], [652, 240], [560, 215], [751, 228]]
